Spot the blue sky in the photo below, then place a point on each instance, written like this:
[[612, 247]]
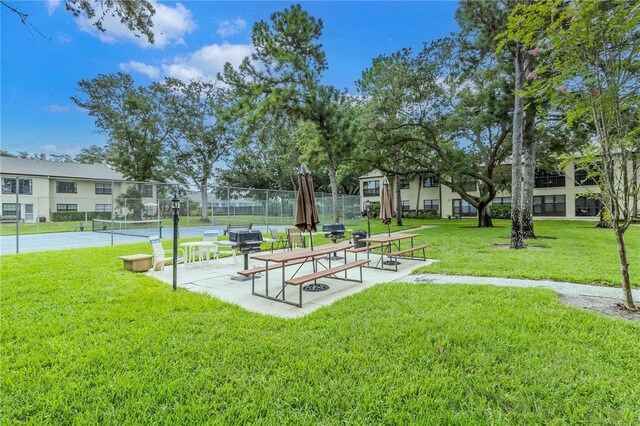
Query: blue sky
[[193, 39]]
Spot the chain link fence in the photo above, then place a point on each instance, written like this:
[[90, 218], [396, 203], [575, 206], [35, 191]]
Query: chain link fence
[[144, 208]]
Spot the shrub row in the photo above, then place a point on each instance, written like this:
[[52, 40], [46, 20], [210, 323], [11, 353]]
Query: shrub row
[[421, 214], [78, 216]]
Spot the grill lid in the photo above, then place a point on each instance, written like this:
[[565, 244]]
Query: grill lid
[[246, 236]]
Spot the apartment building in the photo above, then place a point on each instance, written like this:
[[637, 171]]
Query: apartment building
[[40, 187], [561, 195]]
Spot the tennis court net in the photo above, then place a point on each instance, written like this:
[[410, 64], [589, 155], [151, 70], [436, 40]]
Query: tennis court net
[[136, 228]]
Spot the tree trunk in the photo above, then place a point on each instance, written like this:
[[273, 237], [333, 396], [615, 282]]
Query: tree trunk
[[624, 269], [634, 184], [396, 178], [484, 216], [204, 207], [517, 241], [418, 199], [529, 174], [334, 189]]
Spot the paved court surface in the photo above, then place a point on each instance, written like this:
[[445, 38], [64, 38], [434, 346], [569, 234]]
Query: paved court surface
[[70, 240]]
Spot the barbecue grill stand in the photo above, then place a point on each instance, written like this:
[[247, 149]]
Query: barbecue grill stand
[[247, 241], [334, 232]]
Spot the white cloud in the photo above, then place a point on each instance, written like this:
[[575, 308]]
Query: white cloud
[[227, 28], [63, 38], [148, 70], [205, 63], [58, 108], [170, 24], [52, 5], [62, 150]]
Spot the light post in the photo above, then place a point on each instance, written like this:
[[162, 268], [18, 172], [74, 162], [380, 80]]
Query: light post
[[175, 205], [367, 208]]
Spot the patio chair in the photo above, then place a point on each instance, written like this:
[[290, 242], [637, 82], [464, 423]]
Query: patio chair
[[294, 237], [275, 240], [212, 236], [159, 254]]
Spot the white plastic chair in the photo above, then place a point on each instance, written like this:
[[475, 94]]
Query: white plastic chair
[[212, 236], [159, 253]]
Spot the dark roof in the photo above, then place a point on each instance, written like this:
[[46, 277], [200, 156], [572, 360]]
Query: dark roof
[[29, 167]]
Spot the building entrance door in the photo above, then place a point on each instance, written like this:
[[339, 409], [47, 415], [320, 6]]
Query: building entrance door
[[28, 214]]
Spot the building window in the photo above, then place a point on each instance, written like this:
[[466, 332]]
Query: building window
[[431, 204], [9, 209], [66, 187], [9, 186], [466, 184], [406, 205], [405, 184], [67, 207], [103, 188], [549, 205], [585, 177], [103, 207], [371, 188], [586, 206], [502, 201], [147, 191], [549, 180], [462, 208], [430, 182]]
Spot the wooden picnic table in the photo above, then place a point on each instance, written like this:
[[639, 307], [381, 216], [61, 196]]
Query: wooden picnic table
[[299, 258], [386, 242]]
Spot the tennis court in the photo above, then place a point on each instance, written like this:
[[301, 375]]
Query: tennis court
[[69, 240]]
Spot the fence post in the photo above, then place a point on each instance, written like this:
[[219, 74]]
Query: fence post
[[267, 208], [17, 215]]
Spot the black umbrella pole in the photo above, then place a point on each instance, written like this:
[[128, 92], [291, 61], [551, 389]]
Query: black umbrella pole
[[389, 229]]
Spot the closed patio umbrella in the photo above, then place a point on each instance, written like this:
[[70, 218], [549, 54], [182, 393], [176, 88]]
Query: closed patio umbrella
[[386, 204], [306, 210]]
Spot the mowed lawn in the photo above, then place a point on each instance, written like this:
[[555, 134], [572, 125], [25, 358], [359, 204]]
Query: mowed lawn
[[85, 342], [573, 251]]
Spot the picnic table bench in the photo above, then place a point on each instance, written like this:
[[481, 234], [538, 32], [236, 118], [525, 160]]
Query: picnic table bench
[[8, 218], [301, 257], [400, 253], [331, 272]]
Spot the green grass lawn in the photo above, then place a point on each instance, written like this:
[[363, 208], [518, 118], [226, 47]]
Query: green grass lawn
[[85, 342], [572, 251]]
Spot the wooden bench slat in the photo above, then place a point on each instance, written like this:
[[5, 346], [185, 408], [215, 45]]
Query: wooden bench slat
[[321, 274], [409, 250], [253, 271], [364, 249]]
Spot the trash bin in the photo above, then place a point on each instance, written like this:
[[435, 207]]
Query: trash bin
[[357, 236]]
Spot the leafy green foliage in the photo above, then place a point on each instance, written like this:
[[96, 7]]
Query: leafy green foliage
[[130, 117], [85, 341], [589, 61], [75, 216]]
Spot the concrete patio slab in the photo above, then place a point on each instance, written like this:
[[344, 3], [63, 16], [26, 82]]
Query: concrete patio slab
[[214, 278]]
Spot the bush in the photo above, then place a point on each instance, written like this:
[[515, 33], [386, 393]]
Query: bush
[[78, 216], [500, 211], [422, 214]]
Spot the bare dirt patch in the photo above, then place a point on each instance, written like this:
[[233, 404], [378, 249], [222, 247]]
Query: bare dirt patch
[[506, 246], [601, 305]]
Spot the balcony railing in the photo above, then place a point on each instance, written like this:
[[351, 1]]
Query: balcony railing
[[371, 192], [551, 181]]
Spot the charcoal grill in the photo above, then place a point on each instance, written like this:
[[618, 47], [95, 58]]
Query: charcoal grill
[[247, 241], [334, 232]]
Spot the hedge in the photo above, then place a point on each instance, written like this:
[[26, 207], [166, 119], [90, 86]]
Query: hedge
[[78, 216]]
